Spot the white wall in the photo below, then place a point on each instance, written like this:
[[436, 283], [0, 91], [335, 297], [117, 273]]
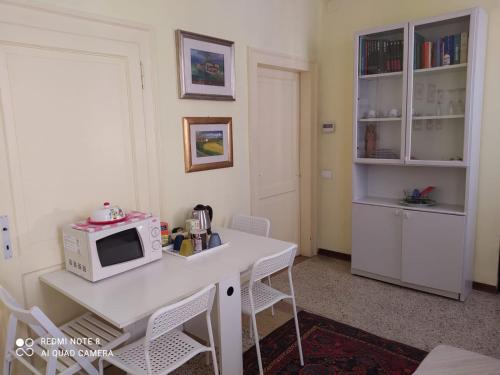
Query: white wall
[[284, 26]]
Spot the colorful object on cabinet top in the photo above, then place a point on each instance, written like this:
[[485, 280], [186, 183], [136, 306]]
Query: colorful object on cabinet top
[[131, 217], [107, 214], [419, 198], [165, 235]]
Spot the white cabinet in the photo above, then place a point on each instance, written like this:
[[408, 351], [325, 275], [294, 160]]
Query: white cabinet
[[377, 249], [418, 90], [432, 254], [412, 248]]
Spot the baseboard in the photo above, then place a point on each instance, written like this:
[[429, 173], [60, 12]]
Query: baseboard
[[334, 254], [343, 256], [484, 287]]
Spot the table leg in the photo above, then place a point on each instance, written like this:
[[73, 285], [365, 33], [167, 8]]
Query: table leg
[[229, 327]]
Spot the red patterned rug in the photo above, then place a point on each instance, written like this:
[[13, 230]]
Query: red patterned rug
[[330, 347]]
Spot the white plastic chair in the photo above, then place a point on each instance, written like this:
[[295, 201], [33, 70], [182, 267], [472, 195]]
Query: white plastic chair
[[257, 296], [165, 347], [86, 326], [259, 226]]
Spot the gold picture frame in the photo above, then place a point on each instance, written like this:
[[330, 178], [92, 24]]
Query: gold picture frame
[[208, 143]]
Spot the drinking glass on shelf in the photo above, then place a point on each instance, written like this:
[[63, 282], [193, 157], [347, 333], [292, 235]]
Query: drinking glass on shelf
[[461, 101], [451, 107]]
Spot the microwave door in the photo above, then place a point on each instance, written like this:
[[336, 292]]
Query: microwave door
[[120, 247]]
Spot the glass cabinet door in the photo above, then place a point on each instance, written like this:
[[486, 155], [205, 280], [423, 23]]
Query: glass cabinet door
[[438, 92], [381, 86]]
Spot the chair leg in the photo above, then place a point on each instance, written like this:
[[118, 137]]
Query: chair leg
[[214, 360], [212, 345], [250, 326], [101, 366], [257, 346], [269, 282], [7, 365], [299, 341]]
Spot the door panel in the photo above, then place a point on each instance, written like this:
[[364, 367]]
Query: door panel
[[72, 129], [274, 153], [73, 135], [433, 250], [376, 240]]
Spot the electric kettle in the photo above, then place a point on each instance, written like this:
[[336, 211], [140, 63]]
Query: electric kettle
[[204, 214]]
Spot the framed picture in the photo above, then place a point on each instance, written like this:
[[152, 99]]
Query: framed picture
[[208, 143], [206, 67]]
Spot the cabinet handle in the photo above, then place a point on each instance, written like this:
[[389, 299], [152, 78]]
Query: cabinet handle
[[407, 215], [398, 213]]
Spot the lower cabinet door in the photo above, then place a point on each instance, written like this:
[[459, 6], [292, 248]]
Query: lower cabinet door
[[433, 250], [376, 240]]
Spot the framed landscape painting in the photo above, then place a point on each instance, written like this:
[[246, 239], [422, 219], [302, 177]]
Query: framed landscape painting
[[208, 143], [206, 67]]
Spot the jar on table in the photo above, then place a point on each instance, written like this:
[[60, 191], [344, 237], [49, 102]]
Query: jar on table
[[199, 237]]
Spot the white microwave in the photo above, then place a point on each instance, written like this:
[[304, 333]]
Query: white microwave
[[96, 252]]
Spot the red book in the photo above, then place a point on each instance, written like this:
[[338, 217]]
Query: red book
[[427, 55]]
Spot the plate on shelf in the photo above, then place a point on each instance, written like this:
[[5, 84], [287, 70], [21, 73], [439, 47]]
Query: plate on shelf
[[426, 203], [196, 255]]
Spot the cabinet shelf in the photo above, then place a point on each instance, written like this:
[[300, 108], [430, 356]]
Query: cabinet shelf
[[440, 69], [380, 119], [378, 161], [437, 163], [445, 117], [442, 208], [381, 75]]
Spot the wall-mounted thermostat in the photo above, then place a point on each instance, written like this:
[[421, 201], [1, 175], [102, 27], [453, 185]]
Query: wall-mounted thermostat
[[328, 127]]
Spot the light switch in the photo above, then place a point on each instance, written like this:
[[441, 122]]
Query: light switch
[[4, 232], [328, 127], [327, 174]]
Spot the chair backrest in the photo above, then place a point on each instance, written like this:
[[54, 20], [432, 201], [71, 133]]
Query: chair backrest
[[271, 264], [259, 226], [172, 316], [42, 326], [16, 310]]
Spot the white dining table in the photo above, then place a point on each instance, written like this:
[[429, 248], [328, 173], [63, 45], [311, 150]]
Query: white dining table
[[128, 299]]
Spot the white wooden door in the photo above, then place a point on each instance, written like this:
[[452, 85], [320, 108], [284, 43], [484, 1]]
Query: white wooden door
[[376, 240], [433, 250], [73, 134], [274, 152]]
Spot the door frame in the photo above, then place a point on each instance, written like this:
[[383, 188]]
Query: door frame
[[308, 73]]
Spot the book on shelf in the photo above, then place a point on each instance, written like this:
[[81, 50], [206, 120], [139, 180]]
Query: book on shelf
[[464, 40], [426, 55], [380, 56], [446, 50]]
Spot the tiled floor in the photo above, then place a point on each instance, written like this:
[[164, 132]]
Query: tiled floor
[[325, 286]]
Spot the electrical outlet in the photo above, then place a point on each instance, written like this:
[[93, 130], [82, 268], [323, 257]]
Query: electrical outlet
[[327, 174]]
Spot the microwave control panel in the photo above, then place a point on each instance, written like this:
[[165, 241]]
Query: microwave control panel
[[155, 235], [73, 255]]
